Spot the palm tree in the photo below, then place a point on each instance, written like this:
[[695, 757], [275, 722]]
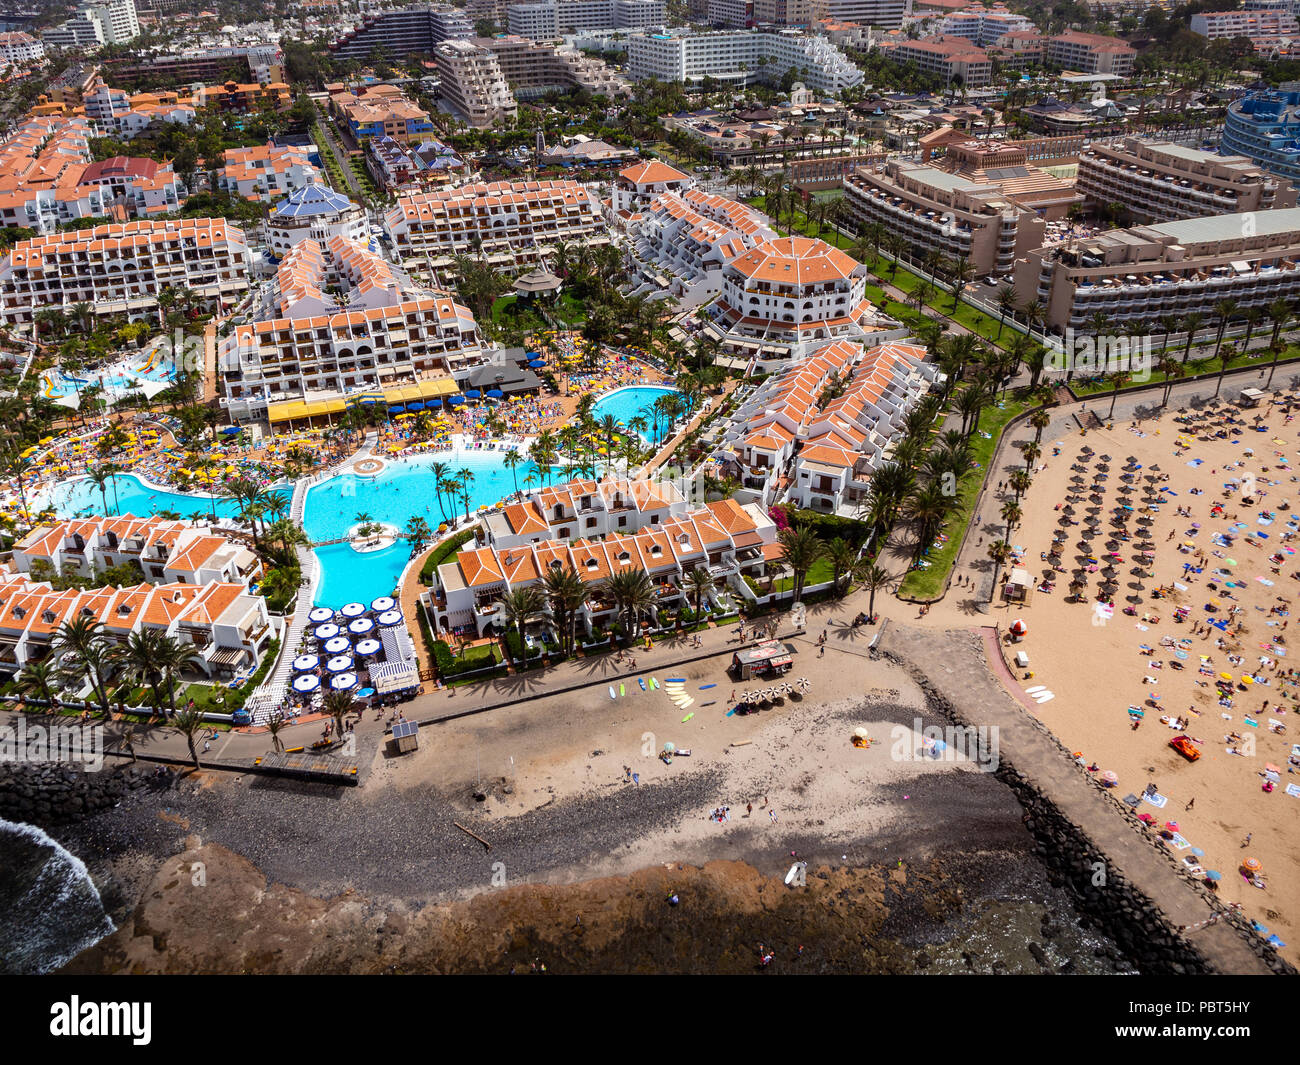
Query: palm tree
[[39, 679], [189, 723], [100, 476], [139, 660], [1019, 481], [1040, 419], [275, 723], [338, 705], [1031, 452], [801, 549], [519, 606], [927, 509], [441, 475], [1190, 324], [1225, 356], [1225, 311], [81, 641], [1007, 304], [873, 578], [464, 478], [1011, 514], [843, 557], [1118, 379], [1000, 553], [512, 461], [633, 592], [699, 584], [566, 594]]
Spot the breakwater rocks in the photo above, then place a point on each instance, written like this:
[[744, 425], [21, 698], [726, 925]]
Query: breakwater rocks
[[60, 793], [1076, 863]]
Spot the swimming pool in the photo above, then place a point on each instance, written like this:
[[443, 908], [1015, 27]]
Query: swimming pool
[[405, 490], [116, 380], [627, 403], [128, 494]]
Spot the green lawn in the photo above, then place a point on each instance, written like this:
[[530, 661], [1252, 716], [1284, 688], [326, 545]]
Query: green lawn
[[819, 573], [1205, 365], [929, 583]]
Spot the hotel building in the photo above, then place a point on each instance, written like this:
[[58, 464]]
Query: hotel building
[[933, 209], [1161, 182], [787, 297], [681, 241], [641, 525], [381, 111], [315, 212], [741, 58], [984, 25], [785, 444], [121, 268], [1168, 268], [1265, 128], [948, 58], [1218, 25], [473, 87], [383, 331], [1091, 53], [399, 33], [267, 171], [508, 223]]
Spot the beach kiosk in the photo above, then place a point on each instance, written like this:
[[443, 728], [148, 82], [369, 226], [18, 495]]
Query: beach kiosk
[[406, 736], [1019, 587], [770, 658], [1250, 397]]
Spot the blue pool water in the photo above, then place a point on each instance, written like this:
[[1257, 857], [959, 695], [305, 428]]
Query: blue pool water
[[626, 403], [130, 495], [403, 491], [115, 380]]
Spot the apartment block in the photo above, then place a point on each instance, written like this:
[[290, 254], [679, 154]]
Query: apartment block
[[532, 68], [267, 171], [381, 111], [1220, 25], [94, 25], [883, 14], [741, 58], [398, 33], [984, 25], [20, 49], [954, 60], [1169, 268], [790, 12], [681, 241], [545, 20], [315, 212], [1091, 53], [1161, 182], [790, 440], [473, 87], [1264, 127], [263, 62], [933, 209], [787, 297], [633, 525], [384, 330], [121, 268], [508, 223], [638, 184]]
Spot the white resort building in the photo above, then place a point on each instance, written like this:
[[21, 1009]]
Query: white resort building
[[814, 434], [508, 223]]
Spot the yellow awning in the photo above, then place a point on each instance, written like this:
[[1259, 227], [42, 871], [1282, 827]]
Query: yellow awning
[[283, 412], [325, 406]]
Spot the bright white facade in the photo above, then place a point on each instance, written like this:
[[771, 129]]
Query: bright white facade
[[741, 57]]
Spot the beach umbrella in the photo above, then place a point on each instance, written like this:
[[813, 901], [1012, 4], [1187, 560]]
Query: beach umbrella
[[397, 409], [321, 614], [1172, 826], [384, 602], [327, 631], [417, 405], [390, 617], [231, 430], [536, 364], [472, 393], [860, 732], [306, 682], [365, 693], [337, 646], [1198, 852], [670, 748], [353, 610], [1018, 627], [339, 664], [1214, 874], [360, 626], [433, 403], [366, 648], [1252, 864], [494, 393], [1110, 776], [303, 663], [803, 684], [343, 682]]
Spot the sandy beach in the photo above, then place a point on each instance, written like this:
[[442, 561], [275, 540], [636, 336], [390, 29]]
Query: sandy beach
[[932, 846], [1196, 645]]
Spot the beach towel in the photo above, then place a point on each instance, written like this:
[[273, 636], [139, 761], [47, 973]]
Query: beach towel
[[1196, 462], [1293, 790], [1251, 722], [1157, 800], [1179, 843]]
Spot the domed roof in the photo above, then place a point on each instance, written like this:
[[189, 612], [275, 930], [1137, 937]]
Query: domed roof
[[798, 260], [312, 200]]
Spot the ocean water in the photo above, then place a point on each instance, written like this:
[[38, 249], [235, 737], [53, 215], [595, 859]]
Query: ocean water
[[52, 909]]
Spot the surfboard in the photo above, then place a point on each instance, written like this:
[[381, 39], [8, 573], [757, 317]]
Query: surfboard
[[654, 684], [675, 680], [705, 687], [622, 690], [730, 712], [641, 681], [794, 872], [688, 717], [612, 693], [709, 703]]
